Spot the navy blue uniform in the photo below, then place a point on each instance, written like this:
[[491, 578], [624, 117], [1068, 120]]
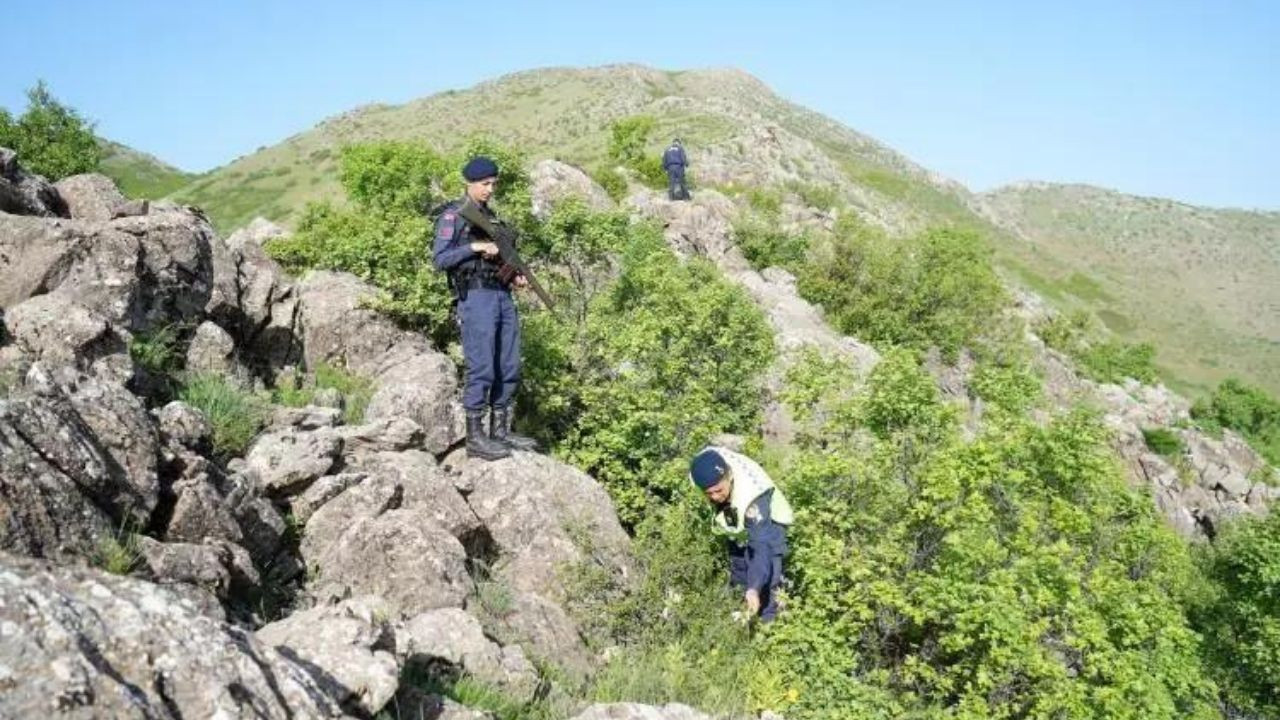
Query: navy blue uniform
[[757, 563], [674, 162], [490, 323]]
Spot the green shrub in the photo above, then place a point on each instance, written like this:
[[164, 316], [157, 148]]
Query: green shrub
[[50, 138], [629, 147], [765, 201], [1249, 411], [1013, 387], [1239, 615], [666, 357], [765, 244], [1015, 576], [158, 352], [612, 181], [1077, 334], [235, 415], [1114, 361], [938, 288], [1162, 441]]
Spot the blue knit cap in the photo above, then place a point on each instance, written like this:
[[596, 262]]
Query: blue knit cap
[[478, 168], [706, 468]]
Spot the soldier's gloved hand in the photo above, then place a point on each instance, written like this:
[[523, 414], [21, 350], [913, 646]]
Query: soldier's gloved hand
[[753, 602], [521, 281], [486, 249]]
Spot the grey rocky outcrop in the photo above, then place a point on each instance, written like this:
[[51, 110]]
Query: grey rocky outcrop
[[411, 379], [22, 193], [552, 181], [90, 196], [84, 644], [455, 637], [347, 646], [253, 299]]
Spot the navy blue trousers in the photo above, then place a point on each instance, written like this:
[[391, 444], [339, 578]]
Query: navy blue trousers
[[491, 348]]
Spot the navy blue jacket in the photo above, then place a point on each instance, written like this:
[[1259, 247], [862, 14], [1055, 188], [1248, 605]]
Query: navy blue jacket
[[674, 156], [766, 541], [452, 245]]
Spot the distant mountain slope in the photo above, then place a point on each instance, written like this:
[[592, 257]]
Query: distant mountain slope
[[139, 174], [1209, 305], [1202, 284]]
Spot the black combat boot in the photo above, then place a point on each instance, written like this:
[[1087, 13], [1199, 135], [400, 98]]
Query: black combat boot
[[479, 444], [500, 430]]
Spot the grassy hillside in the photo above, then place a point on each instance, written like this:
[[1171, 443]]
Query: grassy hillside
[[1202, 284], [140, 175], [1198, 283]]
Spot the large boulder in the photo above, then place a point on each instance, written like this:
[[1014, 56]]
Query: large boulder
[[91, 196], [137, 273], [62, 332], [390, 534], [253, 300], [78, 460], [287, 460], [348, 647], [552, 181], [398, 555], [22, 193], [411, 379], [453, 636], [80, 644], [545, 519]]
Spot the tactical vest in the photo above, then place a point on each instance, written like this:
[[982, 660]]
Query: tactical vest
[[750, 481]]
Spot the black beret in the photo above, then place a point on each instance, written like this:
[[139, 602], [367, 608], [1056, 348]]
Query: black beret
[[479, 168]]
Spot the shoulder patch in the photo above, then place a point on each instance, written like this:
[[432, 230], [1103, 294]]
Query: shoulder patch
[[753, 512], [445, 226]]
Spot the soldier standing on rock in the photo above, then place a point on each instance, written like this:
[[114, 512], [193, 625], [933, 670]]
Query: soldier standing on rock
[[674, 162], [753, 515], [487, 313]]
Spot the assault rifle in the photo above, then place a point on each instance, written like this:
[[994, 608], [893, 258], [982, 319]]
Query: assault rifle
[[505, 238]]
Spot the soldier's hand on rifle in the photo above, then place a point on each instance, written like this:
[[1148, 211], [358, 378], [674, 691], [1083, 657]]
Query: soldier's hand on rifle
[[487, 249], [753, 602], [521, 281]]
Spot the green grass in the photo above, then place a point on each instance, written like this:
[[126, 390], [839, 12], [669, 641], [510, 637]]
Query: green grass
[[118, 554], [157, 352], [356, 391], [139, 175], [235, 415]]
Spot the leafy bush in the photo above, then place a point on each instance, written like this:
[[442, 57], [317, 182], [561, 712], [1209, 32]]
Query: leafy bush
[[1239, 615], [1162, 441], [612, 181], [1114, 361], [1249, 411], [666, 357], [765, 244], [236, 415], [1016, 576], [629, 147], [938, 288], [1077, 334], [157, 352], [1012, 387], [50, 138]]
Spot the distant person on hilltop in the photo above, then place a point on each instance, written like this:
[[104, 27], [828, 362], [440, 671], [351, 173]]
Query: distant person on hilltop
[[674, 162], [752, 515]]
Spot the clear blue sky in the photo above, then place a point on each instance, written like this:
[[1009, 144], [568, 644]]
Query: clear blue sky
[[1176, 99]]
